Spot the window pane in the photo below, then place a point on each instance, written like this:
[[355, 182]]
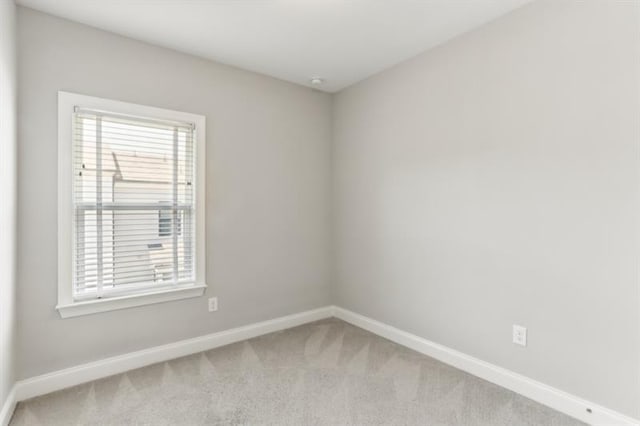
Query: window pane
[[133, 191]]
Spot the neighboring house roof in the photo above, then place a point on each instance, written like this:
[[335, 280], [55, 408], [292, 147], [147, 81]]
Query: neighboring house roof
[[132, 166]]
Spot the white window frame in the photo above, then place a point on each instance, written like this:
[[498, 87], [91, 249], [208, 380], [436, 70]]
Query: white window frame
[[67, 306]]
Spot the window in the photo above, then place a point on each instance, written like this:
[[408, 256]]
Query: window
[[131, 222]]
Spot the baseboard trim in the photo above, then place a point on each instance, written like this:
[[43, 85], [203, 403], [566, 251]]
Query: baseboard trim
[[61, 379], [559, 400], [8, 407]]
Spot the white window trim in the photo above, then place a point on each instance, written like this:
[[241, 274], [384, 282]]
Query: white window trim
[[66, 306]]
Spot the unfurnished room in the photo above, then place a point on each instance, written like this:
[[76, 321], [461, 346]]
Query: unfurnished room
[[320, 212]]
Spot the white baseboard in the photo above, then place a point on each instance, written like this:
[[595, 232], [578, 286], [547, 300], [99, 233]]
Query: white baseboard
[[61, 379], [8, 407], [559, 400]]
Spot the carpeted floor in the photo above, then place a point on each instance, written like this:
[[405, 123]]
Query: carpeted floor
[[323, 373]]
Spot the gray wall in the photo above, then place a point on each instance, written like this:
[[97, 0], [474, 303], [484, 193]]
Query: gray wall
[[493, 181], [268, 148], [8, 95]]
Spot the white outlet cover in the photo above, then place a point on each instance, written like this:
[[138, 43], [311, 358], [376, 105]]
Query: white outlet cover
[[519, 335], [213, 304]]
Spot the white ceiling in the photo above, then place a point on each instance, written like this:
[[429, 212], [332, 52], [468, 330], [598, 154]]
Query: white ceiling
[[342, 41]]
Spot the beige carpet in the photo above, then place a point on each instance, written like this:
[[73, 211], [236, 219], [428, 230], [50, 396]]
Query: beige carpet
[[323, 373]]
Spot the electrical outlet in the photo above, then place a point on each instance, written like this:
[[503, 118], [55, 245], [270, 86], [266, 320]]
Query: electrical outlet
[[519, 335], [213, 304]]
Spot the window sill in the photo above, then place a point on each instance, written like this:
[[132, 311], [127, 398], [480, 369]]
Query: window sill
[[113, 303]]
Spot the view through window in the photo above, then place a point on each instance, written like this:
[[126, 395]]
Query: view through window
[[133, 203]]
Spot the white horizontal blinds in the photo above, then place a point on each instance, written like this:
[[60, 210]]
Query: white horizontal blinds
[[134, 205]]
